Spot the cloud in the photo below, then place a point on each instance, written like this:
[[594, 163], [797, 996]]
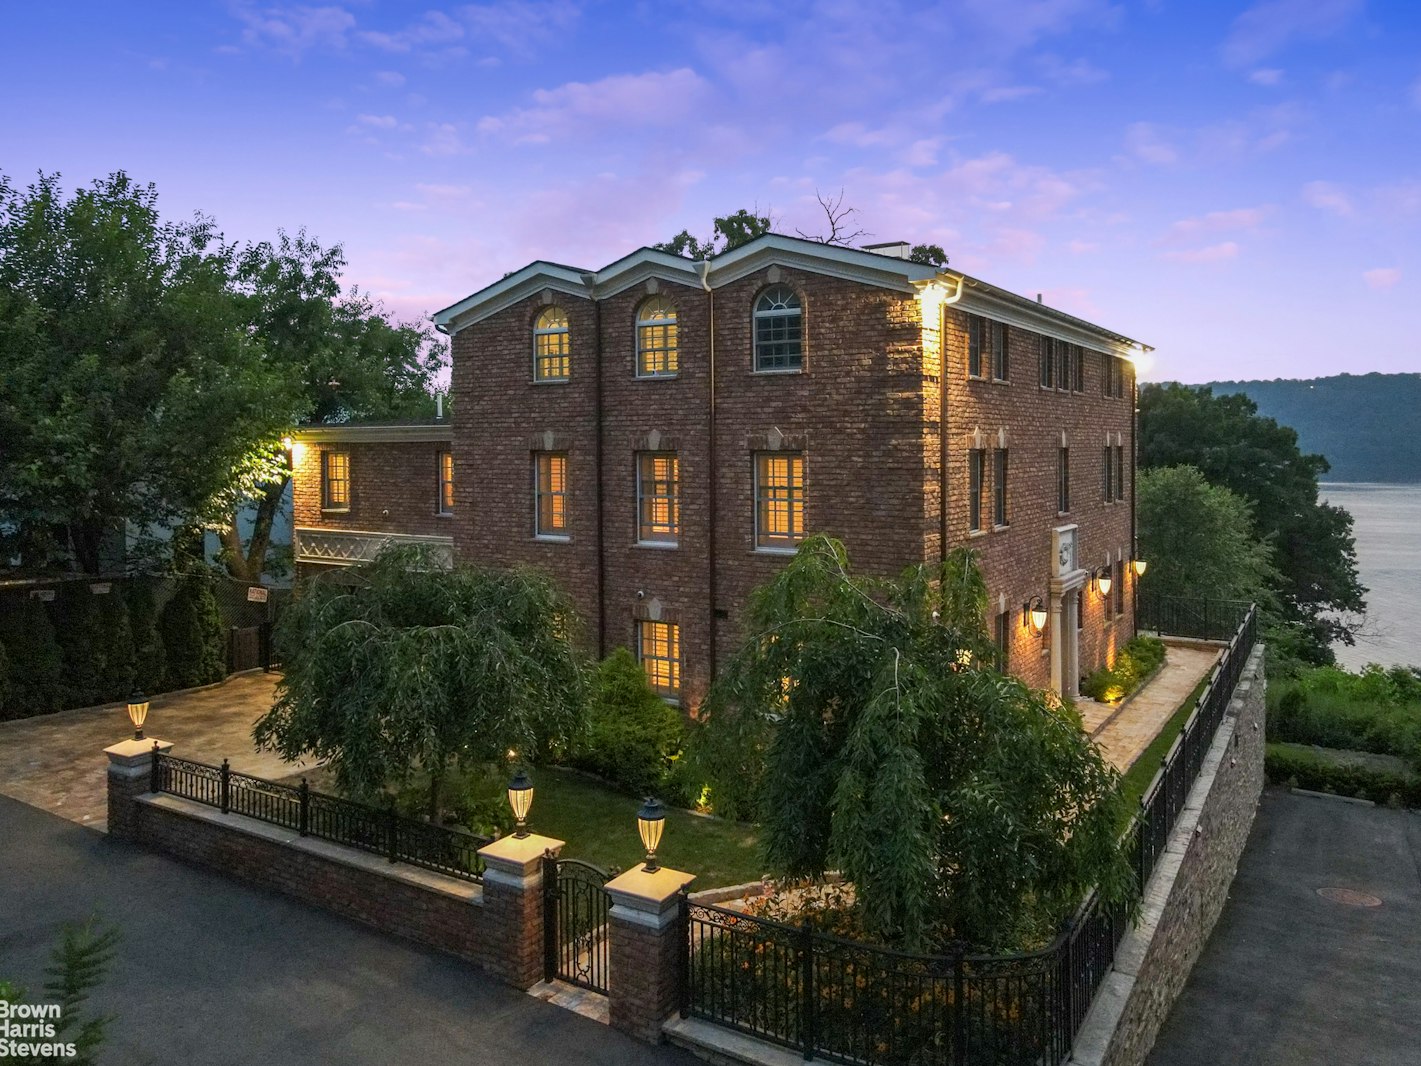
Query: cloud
[[519, 26], [379, 122], [1008, 93], [1325, 196], [1269, 76], [1079, 247], [1191, 229], [1146, 142], [434, 29], [390, 78], [444, 139], [1271, 25], [1382, 278], [1213, 253], [1074, 72], [622, 100], [292, 30]]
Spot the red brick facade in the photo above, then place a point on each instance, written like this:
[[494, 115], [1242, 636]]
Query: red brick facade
[[865, 411]]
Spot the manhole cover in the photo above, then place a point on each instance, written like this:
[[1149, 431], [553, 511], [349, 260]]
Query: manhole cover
[[1350, 897]]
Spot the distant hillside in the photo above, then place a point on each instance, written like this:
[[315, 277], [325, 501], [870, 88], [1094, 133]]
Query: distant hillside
[[1368, 425]]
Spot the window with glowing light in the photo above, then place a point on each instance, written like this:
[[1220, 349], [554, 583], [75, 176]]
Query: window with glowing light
[[659, 649], [550, 517], [552, 348], [658, 490], [335, 481], [779, 500], [657, 354], [446, 482], [779, 330]]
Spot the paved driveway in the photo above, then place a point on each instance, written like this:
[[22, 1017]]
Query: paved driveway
[[56, 761], [213, 973], [1291, 978]]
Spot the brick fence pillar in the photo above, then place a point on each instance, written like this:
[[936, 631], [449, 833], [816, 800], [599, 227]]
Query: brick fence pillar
[[130, 776], [512, 940], [646, 944]]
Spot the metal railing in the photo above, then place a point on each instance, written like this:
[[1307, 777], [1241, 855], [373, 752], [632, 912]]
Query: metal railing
[[1179, 616], [853, 1002], [355, 825]]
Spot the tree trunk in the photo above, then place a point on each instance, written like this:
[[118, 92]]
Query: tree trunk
[[249, 562], [436, 792]]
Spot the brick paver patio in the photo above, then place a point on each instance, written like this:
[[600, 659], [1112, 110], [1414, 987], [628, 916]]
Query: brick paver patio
[[1124, 732], [56, 761]]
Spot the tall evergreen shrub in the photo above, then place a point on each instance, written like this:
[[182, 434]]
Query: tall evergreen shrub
[[81, 647], [116, 632], [35, 665], [149, 656], [191, 628]]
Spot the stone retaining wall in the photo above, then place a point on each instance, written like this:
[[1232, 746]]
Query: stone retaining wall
[[1187, 891]]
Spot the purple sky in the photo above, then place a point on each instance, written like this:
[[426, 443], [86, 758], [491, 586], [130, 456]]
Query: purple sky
[[1237, 184]]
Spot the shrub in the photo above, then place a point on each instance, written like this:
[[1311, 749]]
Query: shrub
[[632, 734], [36, 667], [1136, 661], [149, 657], [1301, 768], [4, 680], [81, 644], [116, 681], [1377, 711], [191, 629]]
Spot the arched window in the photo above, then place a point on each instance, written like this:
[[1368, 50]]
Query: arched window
[[779, 330], [656, 339], [551, 348]]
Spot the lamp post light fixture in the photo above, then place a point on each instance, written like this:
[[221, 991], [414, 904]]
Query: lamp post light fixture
[[1033, 614], [520, 798], [1138, 565], [650, 823], [1103, 580], [137, 713]]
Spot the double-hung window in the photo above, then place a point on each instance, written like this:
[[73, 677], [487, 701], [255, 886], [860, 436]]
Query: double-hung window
[[1048, 359], [658, 490], [1063, 480], [1003, 640], [976, 476], [335, 481], [659, 649], [657, 354], [1108, 474], [1001, 357], [999, 487], [1119, 472], [446, 482], [779, 500], [1078, 367], [976, 328], [550, 514]]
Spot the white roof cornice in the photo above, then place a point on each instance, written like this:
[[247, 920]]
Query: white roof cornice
[[509, 290]]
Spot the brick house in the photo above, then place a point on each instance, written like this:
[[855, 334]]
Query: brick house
[[360, 486], [660, 433]]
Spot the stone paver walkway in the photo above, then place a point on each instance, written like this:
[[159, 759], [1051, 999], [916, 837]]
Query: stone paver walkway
[[56, 761], [1123, 733]]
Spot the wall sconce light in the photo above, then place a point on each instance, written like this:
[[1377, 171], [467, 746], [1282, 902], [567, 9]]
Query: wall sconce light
[[520, 798], [1033, 614], [650, 823], [1138, 565], [137, 713], [1103, 580]]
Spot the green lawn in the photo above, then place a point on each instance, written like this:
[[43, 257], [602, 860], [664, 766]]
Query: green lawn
[[1138, 777], [599, 825]]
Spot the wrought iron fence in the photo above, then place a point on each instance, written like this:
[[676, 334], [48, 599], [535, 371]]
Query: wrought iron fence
[[1179, 616], [853, 1002], [317, 814]]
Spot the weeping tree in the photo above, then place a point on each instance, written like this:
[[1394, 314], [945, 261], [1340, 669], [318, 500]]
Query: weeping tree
[[404, 666], [862, 719]]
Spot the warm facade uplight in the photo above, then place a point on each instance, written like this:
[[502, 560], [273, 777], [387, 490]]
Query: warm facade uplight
[[520, 798], [1103, 581], [137, 713], [650, 822], [1139, 566]]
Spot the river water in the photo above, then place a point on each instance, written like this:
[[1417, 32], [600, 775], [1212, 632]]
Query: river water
[[1387, 524]]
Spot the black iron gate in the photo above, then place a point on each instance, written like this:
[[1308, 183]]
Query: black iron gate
[[575, 906]]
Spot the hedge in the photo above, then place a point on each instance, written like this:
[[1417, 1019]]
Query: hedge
[[1319, 771], [1137, 660], [191, 628], [150, 659], [632, 734], [36, 669], [81, 644]]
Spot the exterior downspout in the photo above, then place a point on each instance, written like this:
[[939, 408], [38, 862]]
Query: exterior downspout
[[943, 480], [1134, 473], [590, 280], [703, 268]]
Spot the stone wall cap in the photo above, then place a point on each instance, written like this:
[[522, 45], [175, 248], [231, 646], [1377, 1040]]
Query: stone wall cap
[[640, 890], [131, 752], [512, 854]]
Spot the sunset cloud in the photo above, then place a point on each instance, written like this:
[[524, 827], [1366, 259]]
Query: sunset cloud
[[1272, 25], [1326, 196], [1213, 253], [621, 101], [1382, 278]]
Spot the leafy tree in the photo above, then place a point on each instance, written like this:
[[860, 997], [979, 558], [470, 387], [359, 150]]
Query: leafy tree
[[150, 660], [862, 720], [77, 967], [36, 680], [116, 638], [81, 644], [193, 639], [1310, 542], [1199, 538], [632, 733], [731, 231], [405, 666], [929, 254], [343, 357], [130, 391]]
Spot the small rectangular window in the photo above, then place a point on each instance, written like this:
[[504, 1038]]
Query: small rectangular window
[[1119, 586], [658, 490], [974, 346], [1064, 372], [779, 500], [1063, 480], [446, 482], [976, 476], [1003, 641], [1048, 357], [550, 494], [1001, 357], [999, 487], [1078, 382], [1108, 474], [659, 649], [335, 481], [1119, 471]]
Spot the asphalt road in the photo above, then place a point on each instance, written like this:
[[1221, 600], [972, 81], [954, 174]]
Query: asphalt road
[[213, 972], [1290, 978]]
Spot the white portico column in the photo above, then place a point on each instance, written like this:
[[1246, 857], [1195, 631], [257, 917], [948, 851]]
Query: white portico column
[[1058, 641]]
